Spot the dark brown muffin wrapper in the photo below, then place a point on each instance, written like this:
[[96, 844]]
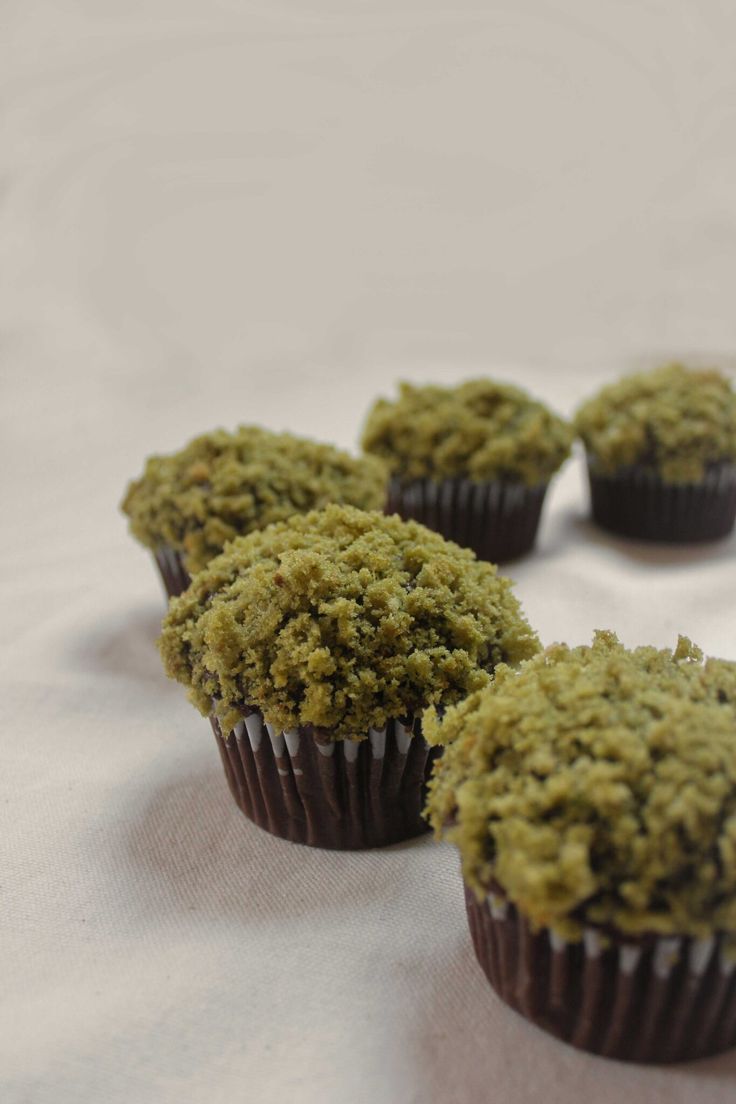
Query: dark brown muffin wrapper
[[174, 575], [498, 520], [341, 794], [637, 503], [653, 999]]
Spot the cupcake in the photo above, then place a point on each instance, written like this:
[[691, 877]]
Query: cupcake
[[315, 645], [662, 455], [592, 796], [472, 462], [186, 506]]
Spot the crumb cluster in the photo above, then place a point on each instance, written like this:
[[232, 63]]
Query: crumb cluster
[[479, 430], [597, 785], [341, 619], [223, 485], [674, 420]]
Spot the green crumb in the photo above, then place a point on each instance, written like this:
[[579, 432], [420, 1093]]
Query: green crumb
[[674, 420], [479, 430], [341, 619], [597, 785], [223, 485]]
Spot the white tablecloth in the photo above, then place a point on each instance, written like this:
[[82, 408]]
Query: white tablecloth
[[216, 212]]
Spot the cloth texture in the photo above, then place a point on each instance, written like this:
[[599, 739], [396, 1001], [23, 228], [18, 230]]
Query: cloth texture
[[214, 213]]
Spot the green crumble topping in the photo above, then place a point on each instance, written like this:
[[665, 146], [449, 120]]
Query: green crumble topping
[[597, 785], [674, 420], [341, 619], [223, 485], [479, 430]]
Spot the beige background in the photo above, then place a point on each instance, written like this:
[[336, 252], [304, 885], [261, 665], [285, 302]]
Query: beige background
[[217, 212]]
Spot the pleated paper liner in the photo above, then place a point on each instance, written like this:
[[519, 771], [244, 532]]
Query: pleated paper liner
[[342, 794], [171, 568], [498, 520], [637, 503], [654, 999]]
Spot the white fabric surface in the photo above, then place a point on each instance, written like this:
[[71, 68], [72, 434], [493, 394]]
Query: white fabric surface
[[267, 211]]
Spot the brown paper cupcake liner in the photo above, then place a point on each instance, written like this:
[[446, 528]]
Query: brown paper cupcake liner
[[498, 520], [343, 794], [638, 503], [653, 999], [174, 575]]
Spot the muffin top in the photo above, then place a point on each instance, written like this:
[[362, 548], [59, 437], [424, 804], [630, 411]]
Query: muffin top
[[341, 619], [223, 485], [597, 785], [480, 430], [674, 420]]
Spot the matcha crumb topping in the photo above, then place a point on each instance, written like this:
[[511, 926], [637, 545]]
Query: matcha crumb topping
[[341, 619], [480, 430], [223, 485], [673, 420], [597, 785]]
